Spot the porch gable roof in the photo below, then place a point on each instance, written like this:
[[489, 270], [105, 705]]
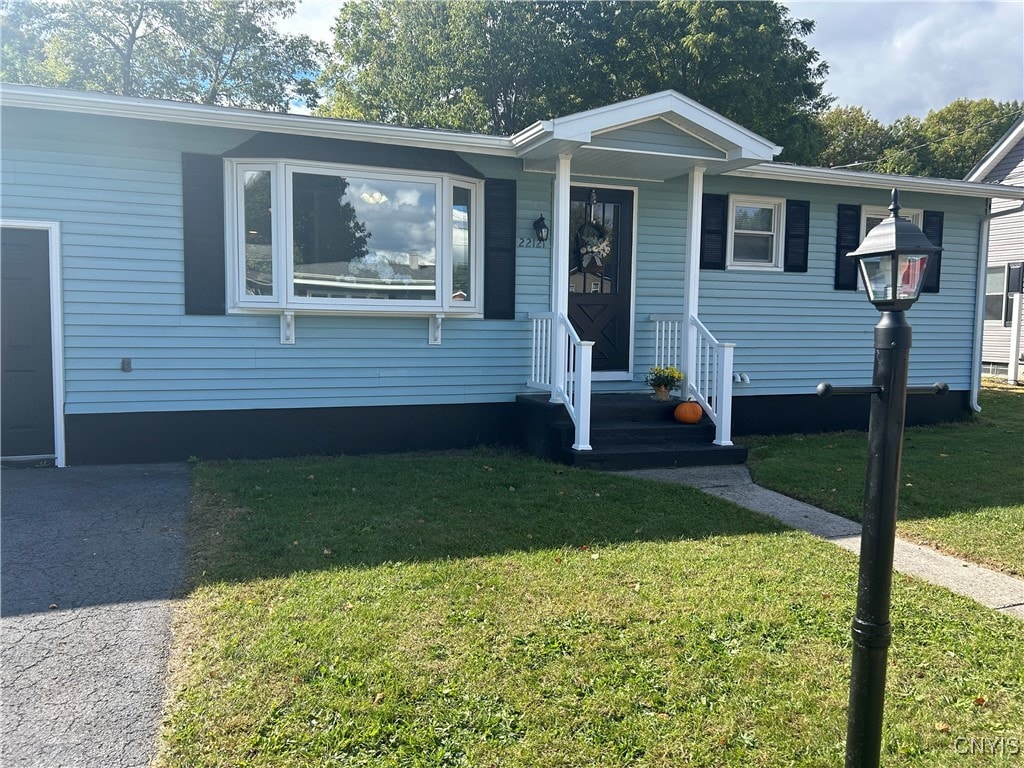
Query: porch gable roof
[[655, 138]]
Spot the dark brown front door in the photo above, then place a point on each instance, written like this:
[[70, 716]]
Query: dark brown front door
[[26, 388], [600, 272]]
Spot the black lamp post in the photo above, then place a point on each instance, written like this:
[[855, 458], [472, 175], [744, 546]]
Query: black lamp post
[[892, 260]]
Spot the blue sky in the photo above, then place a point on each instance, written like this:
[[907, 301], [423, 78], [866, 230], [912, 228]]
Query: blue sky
[[892, 58]]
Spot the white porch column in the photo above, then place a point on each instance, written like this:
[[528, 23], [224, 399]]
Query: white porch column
[[695, 203], [560, 275]]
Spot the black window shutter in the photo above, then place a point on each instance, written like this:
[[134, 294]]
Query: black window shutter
[[714, 231], [202, 196], [798, 233], [847, 239], [932, 228], [500, 249]]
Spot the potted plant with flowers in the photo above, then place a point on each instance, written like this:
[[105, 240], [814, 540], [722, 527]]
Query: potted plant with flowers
[[663, 379]]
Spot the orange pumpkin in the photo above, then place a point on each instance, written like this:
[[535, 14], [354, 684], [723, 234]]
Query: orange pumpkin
[[689, 412]]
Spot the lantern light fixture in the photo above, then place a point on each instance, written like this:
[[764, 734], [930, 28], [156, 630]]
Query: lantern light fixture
[[541, 228], [892, 260]]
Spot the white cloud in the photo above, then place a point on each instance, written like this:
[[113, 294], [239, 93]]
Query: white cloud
[[314, 18], [895, 59]]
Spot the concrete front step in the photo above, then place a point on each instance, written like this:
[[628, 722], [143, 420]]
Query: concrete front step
[[650, 433], [631, 406], [621, 457], [628, 431]]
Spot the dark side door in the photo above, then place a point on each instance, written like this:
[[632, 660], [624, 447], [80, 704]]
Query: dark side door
[[26, 387]]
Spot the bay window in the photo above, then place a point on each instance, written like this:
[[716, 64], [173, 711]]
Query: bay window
[[326, 238]]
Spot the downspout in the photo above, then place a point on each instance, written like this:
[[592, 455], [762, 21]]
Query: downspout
[[979, 303]]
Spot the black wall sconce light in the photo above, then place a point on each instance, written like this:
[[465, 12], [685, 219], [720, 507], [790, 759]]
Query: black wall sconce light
[[541, 228]]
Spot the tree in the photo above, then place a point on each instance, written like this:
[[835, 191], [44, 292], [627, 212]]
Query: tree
[[950, 140], [746, 60], [851, 136], [497, 67], [492, 67], [84, 45], [235, 56], [211, 51]]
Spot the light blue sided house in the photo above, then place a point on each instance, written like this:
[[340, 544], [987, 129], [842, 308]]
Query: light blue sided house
[[183, 280]]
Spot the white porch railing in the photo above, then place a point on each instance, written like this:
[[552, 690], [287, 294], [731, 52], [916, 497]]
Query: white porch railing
[[555, 338], [709, 368]]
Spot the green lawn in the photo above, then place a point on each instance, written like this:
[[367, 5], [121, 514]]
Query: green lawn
[[486, 609], [962, 485]]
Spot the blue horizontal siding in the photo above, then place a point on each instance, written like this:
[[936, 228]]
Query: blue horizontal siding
[[657, 136], [793, 330], [114, 185]]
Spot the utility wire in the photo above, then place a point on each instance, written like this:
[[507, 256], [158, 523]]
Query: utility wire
[[927, 143]]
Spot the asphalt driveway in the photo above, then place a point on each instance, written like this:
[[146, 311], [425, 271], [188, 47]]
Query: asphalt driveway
[[89, 560]]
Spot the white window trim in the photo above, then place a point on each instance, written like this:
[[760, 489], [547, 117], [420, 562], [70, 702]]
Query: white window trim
[[283, 298], [236, 184], [1006, 298], [778, 229], [882, 212]]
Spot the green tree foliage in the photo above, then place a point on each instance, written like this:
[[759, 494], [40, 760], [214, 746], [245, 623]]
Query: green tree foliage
[[945, 144], [745, 60], [491, 67], [949, 141], [209, 51], [496, 67], [851, 135]]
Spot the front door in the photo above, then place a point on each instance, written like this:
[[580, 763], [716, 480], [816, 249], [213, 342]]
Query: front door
[[26, 386], [600, 272]]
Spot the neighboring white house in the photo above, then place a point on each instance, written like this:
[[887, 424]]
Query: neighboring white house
[[1003, 349], [186, 280]]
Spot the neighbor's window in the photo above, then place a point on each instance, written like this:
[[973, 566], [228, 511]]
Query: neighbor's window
[[998, 301], [352, 239], [755, 226]]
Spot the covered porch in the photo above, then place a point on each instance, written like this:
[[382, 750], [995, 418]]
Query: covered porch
[[615, 152]]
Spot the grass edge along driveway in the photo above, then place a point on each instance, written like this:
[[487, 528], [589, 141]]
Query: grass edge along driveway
[[962, 484], [486, 609]]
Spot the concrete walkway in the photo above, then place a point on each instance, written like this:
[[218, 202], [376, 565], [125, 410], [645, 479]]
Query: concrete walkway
[[91, 557], [998, 591]]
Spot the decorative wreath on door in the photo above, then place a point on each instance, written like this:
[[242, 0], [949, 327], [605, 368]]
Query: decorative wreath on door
[[593, 247], [593, 243]]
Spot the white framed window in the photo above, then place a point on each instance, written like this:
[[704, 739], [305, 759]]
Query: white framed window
[[755, 233], [258, 274], [330, 238], [872, 216], [999, 292]]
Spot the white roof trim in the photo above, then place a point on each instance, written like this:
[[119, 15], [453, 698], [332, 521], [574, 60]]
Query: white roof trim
[[999, 150], [845, 178], [667, 105], [249, 120]]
